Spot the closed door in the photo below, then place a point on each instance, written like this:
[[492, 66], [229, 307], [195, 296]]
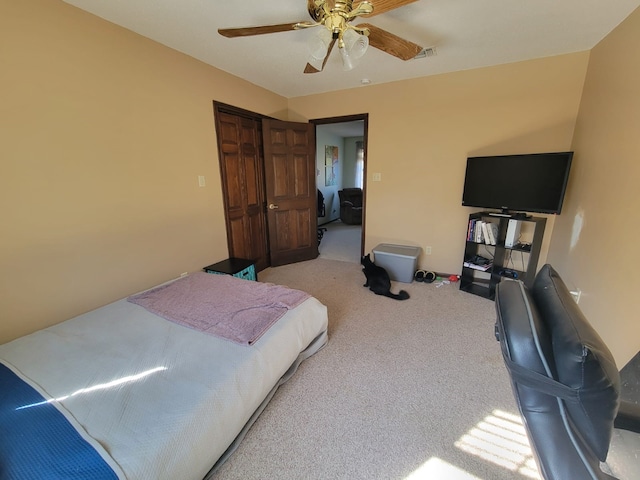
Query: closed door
[[241, 168]]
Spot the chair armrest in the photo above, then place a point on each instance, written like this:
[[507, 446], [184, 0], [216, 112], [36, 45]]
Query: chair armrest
[[628, 417]]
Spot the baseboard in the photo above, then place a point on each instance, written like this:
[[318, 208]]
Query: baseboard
[[327, 223]]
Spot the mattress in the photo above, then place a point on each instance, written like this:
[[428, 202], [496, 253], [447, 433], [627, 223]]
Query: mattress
[[156, 399]]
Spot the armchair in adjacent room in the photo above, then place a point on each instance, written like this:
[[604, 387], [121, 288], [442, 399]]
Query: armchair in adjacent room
[[566, 384], [351, 205]]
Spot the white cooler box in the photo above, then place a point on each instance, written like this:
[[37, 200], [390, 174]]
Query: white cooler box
[[399, 261]]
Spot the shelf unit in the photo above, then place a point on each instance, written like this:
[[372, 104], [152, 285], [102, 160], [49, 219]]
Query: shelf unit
[[517, 261]]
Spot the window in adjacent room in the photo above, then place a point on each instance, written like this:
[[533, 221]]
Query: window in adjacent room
[[359, 164]]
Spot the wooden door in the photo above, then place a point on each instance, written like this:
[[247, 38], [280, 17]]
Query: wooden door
[[241, 168], [289, 165]]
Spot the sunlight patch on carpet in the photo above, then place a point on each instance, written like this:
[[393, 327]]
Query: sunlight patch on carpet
[[500, 438], [437, 468]]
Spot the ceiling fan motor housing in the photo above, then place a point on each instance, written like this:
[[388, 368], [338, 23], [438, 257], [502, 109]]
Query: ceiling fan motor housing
[[337, 14]]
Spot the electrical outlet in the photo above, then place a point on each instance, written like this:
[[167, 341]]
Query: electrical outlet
[[427, 251]]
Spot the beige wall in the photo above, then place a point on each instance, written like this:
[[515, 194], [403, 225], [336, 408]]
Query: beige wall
[[421, 132], [103, 134], [596, 237]]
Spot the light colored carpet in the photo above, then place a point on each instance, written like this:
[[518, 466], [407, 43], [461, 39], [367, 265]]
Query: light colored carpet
[[341, 242], [411, 390]]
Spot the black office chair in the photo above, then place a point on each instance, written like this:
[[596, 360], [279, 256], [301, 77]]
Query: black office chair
[[566, 384], [321, 213]]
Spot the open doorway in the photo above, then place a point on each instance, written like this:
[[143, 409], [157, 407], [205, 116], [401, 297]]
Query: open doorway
[[341, 159]]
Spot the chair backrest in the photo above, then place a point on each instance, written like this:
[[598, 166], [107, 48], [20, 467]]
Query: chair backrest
[[352, 194], [564, 378], [321, 206]]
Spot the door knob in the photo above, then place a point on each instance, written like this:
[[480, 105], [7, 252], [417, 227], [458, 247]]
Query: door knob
[[272, 206]]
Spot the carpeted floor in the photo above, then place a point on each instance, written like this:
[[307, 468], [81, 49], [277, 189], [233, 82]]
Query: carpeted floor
[[341, 242], [409, 390]]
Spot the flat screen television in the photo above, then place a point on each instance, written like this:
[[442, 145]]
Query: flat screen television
[[517, 183]]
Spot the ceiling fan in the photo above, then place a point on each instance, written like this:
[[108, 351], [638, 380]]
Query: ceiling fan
[[335, 16]]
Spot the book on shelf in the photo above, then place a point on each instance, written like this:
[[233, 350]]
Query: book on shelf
[[480, 237], [485, 233], [480, 231], [470, 230], [492, 231], [474, 232]]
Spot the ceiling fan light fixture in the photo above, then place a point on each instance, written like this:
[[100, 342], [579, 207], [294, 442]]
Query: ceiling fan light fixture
[[318, 47], [347, 61], [352, 47]]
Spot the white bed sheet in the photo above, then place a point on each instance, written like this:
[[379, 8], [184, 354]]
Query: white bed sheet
[[163, 400]]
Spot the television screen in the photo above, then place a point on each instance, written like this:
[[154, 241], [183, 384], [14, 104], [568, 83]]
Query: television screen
[[526, 183]]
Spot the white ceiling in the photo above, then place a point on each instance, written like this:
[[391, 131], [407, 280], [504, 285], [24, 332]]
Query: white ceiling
[[466, 34]]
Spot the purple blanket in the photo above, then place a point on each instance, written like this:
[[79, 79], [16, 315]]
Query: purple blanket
[[221, 305]]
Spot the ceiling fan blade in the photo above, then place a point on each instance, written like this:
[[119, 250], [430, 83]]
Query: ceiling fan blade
[[383, 6], [249, 31], [390, 43], [311, 69]]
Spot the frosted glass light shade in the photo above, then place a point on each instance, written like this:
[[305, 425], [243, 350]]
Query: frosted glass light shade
[[355, 46], [318, 48]]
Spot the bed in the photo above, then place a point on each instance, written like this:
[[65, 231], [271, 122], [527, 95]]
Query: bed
[[134, 390]]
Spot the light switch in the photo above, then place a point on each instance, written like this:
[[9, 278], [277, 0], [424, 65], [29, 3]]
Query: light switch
[[377, 177], [201, 181]]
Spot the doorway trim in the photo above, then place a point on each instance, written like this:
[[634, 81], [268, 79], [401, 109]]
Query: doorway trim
[[352, 118]]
